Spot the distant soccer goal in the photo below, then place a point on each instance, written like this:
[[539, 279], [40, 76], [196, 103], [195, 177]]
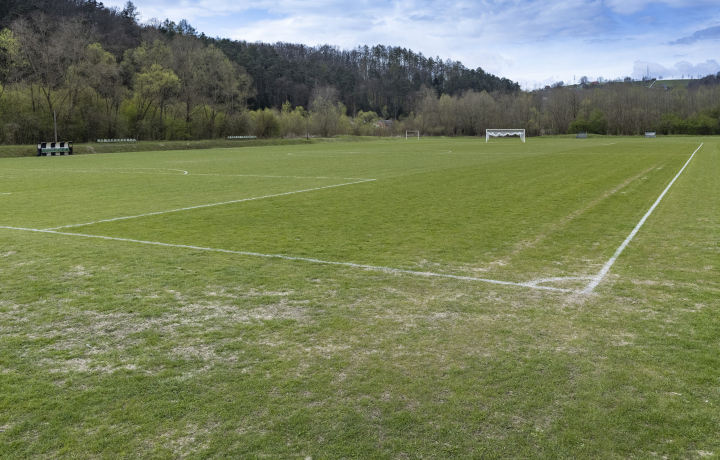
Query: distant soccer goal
[[581, 135], [650, 134], [504, 133], [412, 135]]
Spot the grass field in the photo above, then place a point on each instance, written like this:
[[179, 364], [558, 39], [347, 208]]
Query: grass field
[[440, 298]]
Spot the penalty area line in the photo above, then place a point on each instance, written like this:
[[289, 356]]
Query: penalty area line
[[597, 279], [209, 205], [301, 259]]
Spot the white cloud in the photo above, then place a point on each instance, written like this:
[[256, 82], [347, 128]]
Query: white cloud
[[710, 33], [678, 70], [633, 6]]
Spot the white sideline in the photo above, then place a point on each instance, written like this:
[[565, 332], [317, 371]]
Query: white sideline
[[597, 279], [208, 205], [303, 259]]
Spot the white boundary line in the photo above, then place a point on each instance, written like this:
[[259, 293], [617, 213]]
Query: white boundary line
[[209, 205], [597, 279], [303, 259]]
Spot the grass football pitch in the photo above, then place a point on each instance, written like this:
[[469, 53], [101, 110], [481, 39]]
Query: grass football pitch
[[432, 298]]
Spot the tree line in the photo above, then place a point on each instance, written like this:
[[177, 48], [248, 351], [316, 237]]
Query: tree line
[[102, 74], [381, 78]]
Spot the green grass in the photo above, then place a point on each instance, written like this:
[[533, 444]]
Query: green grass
[[114, 348], [673, 83]]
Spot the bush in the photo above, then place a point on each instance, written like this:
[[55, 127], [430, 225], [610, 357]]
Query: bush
[[266, 123], [596, 124]]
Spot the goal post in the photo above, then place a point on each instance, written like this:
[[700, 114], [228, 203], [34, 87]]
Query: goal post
[[504, 133], [412, 134]]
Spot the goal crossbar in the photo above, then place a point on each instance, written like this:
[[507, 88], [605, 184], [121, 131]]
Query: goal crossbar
[[504, 133]]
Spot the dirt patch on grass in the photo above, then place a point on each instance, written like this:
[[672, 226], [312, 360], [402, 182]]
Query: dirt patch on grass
[[83, 365], [185, 442], [105, 342]]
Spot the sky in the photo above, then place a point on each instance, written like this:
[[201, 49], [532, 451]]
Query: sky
[[532, 42]]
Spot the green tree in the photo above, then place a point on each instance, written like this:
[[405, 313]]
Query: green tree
[[12, 61], [266, 123], [294, 121], [152, 90], [326, 111]]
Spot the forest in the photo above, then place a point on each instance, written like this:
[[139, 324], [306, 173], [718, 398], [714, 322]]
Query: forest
[[101, 74]]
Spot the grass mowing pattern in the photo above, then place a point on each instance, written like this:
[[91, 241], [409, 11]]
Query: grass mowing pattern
[[116, 348]]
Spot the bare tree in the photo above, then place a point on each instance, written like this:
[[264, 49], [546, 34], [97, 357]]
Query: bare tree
[[50, 48]]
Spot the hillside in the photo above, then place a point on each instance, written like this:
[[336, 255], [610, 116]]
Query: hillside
[[378, 78]]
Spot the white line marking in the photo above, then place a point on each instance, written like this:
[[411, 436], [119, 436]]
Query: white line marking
[[280, 177], [169, 169], [209, 205], [5, 193], [319, 156], [162, 169], [303, 259], [597, 279], [195, 174]]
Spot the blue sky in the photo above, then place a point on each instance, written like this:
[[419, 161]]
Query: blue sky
[[533, 42]]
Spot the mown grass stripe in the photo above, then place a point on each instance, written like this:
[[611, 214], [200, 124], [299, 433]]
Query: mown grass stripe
[[606, 268]]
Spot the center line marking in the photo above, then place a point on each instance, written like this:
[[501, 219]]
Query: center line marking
[[209, 205]]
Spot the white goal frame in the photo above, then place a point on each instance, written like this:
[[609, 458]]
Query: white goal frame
[[504, 133], [407, 133]]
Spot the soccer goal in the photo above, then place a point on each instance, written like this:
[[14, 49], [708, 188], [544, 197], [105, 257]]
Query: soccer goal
[[504, 133], [412, 135]]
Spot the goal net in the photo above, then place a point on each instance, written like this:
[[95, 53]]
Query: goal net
[[504, 133], [412, 135]]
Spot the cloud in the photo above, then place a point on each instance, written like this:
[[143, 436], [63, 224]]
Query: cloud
[[603, 41], [633, 6], [680, 69], [711, 33]]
